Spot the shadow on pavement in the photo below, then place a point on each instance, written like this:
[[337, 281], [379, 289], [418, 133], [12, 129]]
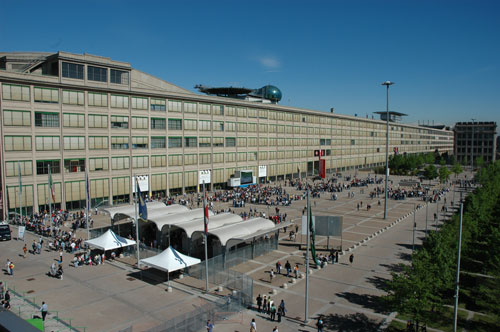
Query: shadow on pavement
[[378, 282], [368, 301], [405, 256], [350, 323], [393, 267]]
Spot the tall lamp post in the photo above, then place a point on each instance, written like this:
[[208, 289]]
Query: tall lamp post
[[387, 84], [472, 147]]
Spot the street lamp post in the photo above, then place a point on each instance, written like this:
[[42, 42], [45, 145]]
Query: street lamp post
[[472, 146], [387, 84]]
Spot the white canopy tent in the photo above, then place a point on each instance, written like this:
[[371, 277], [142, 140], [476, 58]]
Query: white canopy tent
[[110, 241], [214, 222], [170, 260]]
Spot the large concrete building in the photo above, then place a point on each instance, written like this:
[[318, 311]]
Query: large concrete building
[[73, 113], [474, 140]]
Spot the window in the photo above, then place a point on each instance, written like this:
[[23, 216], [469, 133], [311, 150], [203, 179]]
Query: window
[[190, 142], [46, 95], [242, 112], [74, 165], [218, 141], [190, 124], [230, 126], [218, 126], [47, 143], [158, 105], [230, 111], [230, 157], [204, 142], [262, 141], [175, 160], [119, 142], [218, 158], [74, 142], [252, 156], [204, 108], [97, 74], [205, 158], [139, 142], [12, 168], [139, 103], [72, 70], [218, 110], [242, 127], [242, 141], [158, 142], [158, 161], [190, 159], [119, 101], [15, 92], [71, 120], [263, 114], [190, 108], [118, 163], [17, 118], [174, 106], [252, 127], [42, 166], [139, 122], [252, 141], [119, 121], [73, 97], [175, 142], [45, 119], [98, 164], [252, 113], [242, 156], [174, 124], [118, 76], [230, 141], [158, 124], [97, 99], [98, 121], [140, 162], [205, 125], [98, 142]]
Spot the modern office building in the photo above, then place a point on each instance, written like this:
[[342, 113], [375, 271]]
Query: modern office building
[[474, 140], [70, 113]]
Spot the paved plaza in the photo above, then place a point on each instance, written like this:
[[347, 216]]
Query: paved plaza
[[113, 297]]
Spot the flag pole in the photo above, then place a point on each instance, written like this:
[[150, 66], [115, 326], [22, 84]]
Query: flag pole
[[50, 195], [20, 192], [205, 222], [306, 314], [87, 197], [137, 220]]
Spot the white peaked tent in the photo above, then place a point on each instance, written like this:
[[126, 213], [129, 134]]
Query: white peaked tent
[[109, 241], [170, 260]]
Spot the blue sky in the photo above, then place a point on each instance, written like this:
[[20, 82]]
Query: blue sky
[[443, 55]]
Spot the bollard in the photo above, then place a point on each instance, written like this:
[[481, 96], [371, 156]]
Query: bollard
[[274, 292], [220, 288], [294, 281], [181, 276], [285, 286], [169, 289]]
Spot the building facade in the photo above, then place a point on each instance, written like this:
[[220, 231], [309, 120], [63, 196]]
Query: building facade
[[474, 140], [68, 113]]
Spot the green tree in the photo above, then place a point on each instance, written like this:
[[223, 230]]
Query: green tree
[[444, 174], [457, 169], [429, 158], [479, 162], [442, 161], [430, 172]]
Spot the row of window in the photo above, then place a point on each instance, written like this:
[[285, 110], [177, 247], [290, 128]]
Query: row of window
[[97, 74]]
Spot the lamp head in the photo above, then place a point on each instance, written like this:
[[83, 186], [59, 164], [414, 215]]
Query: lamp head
[[388, 83]]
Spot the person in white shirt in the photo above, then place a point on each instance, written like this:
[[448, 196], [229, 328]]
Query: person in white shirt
[[44, 309], [253, 326]]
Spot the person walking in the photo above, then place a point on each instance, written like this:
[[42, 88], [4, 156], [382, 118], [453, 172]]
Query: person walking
[[259, 303], [320, 325], [253, 326], [296, 270], [25, 250], [278, 267], [288, 268], [282, 307], [264, 304], [351, 258], [44, 309], [210, 326], [2, 289], [60, 256], [273, 312], [275, 329]]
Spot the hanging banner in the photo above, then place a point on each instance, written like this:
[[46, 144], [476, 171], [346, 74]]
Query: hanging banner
[[262, 171], [205, 176], [143, 183]]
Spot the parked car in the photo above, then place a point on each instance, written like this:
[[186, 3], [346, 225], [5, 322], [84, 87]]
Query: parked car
[[5, 234]]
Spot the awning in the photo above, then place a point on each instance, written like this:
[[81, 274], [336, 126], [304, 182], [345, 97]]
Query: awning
[[110, 241], [170, 260], [214, 222], [162, 220], [244, 229], [154, 208]]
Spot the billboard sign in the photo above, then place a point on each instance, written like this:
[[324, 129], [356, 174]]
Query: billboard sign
[[143, 182], [262, 171]]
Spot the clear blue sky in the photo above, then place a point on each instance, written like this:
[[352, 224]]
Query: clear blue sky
[[443, 55]]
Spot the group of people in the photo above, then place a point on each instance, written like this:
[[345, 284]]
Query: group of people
[[267, 306], [4, 296]]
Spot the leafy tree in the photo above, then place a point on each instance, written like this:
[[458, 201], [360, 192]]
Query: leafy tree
[[457, 169], [444, 174], [442, 161], [452, 160], [430, 172], [479, 162], [429, 158]]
